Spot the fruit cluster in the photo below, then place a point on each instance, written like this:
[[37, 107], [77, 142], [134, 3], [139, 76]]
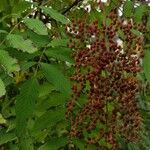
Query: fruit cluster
[[105, 75]]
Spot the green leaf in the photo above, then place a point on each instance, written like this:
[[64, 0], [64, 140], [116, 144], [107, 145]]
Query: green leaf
[[54, 99], [133, 146], [45, 89], [54, 144], [55, 15], [26, 143], [2, 88], [81, 144], [2, 120], [49, 119], [40, 136], [60, 53], [20, 7], [95, 15], [146, 140], [26, 65], [139, 12], [3, 31], [6, 137], [128, 8], [10, 64], [13, 146], [13, 2], [20, 56], [25, 103], [122, 143], [105, 143], [57, 78], [36, 25], [38, 40], [146, 63], [121, 34], [58, 42], [130, 146], [113, 4], [3, 5], [18, 42], [136, 32]]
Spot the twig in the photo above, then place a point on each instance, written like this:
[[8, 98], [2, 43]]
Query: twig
[[16, 26], [32, 10], [75, 3]]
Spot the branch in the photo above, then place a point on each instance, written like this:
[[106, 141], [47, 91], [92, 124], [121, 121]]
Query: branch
[[75, 3]]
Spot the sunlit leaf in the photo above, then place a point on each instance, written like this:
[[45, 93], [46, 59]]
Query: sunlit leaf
[[139, 12], [18, 42], [36, 25], [55, 15], [128, 8], [11, 65]]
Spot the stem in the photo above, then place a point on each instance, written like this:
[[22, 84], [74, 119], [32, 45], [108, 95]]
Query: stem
[[38, 63]]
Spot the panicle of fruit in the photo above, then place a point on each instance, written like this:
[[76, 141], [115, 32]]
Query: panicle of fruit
[[105, 73]]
